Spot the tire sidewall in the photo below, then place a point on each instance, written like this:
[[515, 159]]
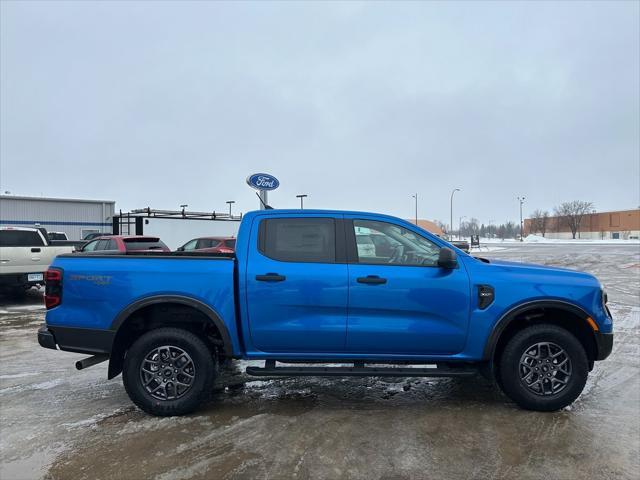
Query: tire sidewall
[[201, 356], [510, 372]]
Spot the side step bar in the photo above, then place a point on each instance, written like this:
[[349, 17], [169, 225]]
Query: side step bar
[[359, 370]]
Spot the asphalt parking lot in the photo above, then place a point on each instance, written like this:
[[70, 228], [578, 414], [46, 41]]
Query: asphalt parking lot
[[58, 423]]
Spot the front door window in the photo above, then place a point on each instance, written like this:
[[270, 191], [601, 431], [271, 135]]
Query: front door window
[[385, 243]]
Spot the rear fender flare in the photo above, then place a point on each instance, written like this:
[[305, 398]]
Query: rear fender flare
[[115, 360]]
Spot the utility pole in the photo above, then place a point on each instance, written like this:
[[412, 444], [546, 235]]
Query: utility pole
[[301, 197], [230, 202], [451, 219], [521, 200], [416, 197]]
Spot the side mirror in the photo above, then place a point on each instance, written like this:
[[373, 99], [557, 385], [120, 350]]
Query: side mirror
[[447, 258], [180, 249]]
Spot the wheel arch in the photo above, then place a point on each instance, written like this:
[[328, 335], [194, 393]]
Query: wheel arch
[[541, 311], [121, 343]]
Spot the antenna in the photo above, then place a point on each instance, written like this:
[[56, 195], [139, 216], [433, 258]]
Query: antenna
[[266, 207]]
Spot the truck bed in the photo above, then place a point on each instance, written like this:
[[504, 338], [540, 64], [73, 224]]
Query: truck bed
[[98, 288]]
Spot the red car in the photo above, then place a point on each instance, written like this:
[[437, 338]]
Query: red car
[[125, 244], [210, 245]]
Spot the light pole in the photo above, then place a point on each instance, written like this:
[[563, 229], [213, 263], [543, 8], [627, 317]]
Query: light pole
[[451, 219], [416, 197], [460, 225], [230, 202], [521, 200], [301, 197]]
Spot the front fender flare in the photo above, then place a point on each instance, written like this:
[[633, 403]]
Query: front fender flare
[[505, 320]]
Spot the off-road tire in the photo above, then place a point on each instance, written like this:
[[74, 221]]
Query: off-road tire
[[510, 374], [202, 383]]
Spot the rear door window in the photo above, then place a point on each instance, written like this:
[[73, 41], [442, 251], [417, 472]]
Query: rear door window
[[208, 243], [102, 244], [299, 239], [111, 245], [137, 244], [20, 238]]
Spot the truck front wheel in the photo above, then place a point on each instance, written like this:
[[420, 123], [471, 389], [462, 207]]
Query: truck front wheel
[[168, 371], [543, 367]]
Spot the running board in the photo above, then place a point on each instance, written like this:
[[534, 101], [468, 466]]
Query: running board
[[359, 370]]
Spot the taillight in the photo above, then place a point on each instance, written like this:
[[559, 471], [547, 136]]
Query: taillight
[[53, 288]]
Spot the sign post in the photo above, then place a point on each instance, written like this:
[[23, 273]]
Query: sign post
[[263, 182], [264, 199]]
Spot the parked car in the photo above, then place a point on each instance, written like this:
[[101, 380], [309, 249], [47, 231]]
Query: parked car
[[114, 244], [210, 245], [92, 235], [61, 239], [461, 244], [298, 291], [57, 236], [25, 255]]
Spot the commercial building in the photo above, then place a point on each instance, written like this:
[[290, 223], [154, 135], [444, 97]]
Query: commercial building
[[429, 226], [616, 225], [74, 217]]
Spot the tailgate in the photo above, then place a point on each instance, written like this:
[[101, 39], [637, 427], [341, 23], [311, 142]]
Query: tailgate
[[24, 259]]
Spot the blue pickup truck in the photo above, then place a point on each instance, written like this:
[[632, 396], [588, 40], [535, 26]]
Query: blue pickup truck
[[327, 293]]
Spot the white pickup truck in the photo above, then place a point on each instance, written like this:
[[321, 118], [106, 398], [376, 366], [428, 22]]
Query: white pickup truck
[[25, 255]]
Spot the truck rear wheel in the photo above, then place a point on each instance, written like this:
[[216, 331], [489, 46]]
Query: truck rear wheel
[[543, 367], [168, 371]]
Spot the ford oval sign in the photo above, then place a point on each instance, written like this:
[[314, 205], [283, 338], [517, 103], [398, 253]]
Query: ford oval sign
[[263, 181]]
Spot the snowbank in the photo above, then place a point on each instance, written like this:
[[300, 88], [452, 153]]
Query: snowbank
[[535, 239], [558, 241], [539, 239], [486, 248]]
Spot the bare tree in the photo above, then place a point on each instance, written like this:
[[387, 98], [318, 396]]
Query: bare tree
[[443, 226], [572, 213], [473, 226], [543, 223], [539, 222], [534, 226]]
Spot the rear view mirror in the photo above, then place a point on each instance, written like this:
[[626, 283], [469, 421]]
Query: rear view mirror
[[447, 258]]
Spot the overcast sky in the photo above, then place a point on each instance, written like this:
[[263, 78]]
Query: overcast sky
[[358, 105]]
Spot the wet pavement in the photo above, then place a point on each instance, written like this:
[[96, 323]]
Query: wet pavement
[[59, 423]]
